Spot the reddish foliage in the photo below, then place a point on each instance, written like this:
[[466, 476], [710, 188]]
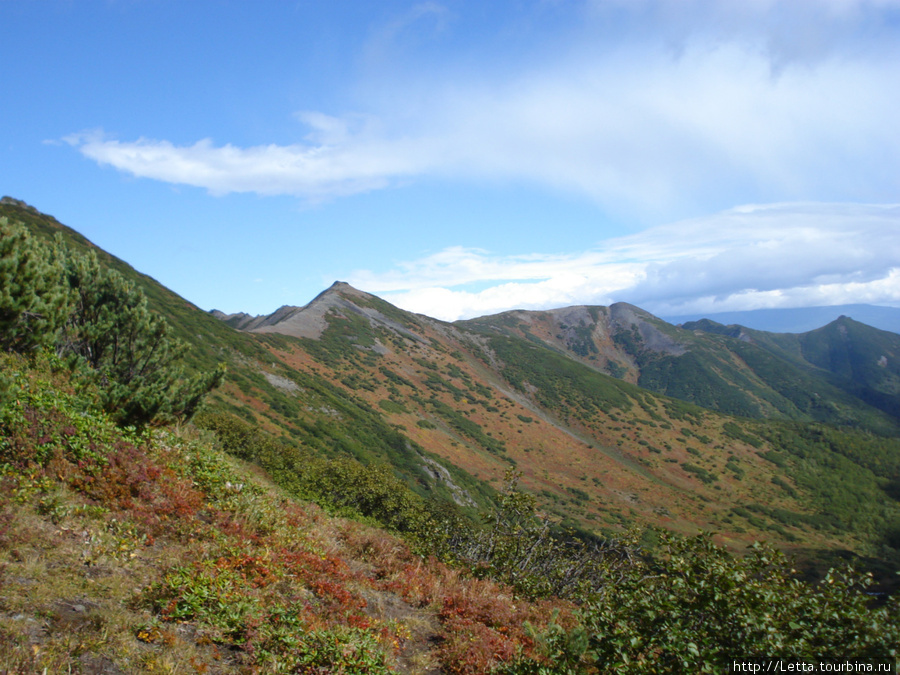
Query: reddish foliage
[[301, 517], [254, 569], [359, 621], [336, 597], [481, 627], [327, 577], [483, 624], [309, 566], [116, 474], [238, 529], [132, 481], [471, 648], [490, 610]]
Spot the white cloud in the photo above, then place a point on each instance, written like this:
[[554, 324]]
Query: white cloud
[[735, 111], [316, 171], [456, 265], [780, 255]]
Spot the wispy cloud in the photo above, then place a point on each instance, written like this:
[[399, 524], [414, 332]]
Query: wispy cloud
[[338, 162], [783, 255], [655, 105]]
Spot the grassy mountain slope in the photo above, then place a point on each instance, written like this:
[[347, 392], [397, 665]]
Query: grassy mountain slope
[[451, 407], [159, 553], [598, 451], [262, 389]]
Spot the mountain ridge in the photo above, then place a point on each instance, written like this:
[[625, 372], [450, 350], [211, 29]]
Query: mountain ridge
[[585, 431], [580, 332], [755, 375], [554, 395], [307, 321]]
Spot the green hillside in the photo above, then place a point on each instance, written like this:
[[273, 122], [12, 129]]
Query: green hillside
[[262, 389], [450, 408], [372, 491], [860, 360], [725, 368]]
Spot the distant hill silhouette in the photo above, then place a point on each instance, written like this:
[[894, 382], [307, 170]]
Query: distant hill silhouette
[[801, 319]]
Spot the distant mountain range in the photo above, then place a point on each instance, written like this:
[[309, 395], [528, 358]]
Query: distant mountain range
[[613, 416], [756, 374], [800, 319]]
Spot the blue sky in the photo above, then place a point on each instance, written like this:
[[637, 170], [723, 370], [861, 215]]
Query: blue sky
[[462, 157]]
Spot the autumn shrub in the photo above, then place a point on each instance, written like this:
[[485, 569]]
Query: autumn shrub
[[472, 648], [288, 611], [47, 434], [487, 628], [484, 624], [696, 608]]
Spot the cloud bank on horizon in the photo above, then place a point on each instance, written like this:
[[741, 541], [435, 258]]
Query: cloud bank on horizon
[[751, 257], [651, 109]]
